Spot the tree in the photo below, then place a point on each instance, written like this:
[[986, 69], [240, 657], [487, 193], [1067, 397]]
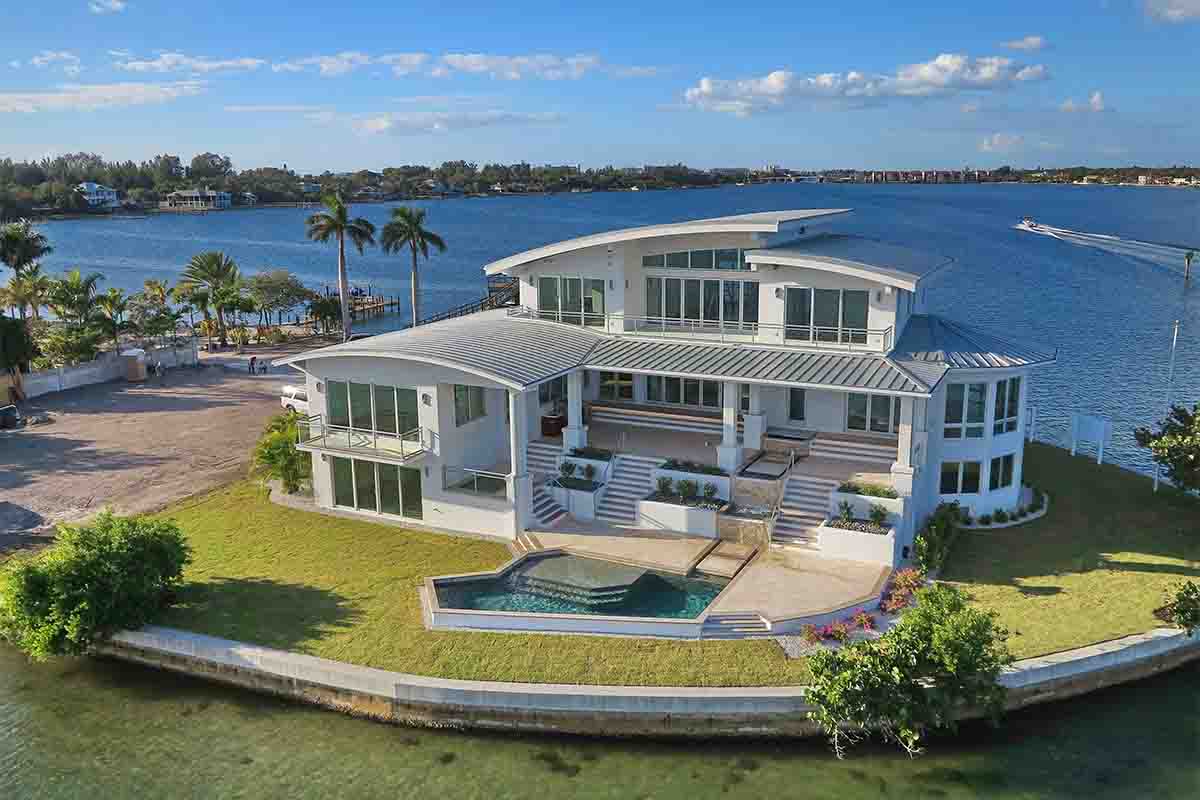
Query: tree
[[34, 288], [21, 245], [277, 290], [407, 229], [210, 166], [16, 346], [325, 310], [1176, 445], [335, 223], [158, 290], [112, 574], [113, 305], [276, 456], [942, 659], [71, 297], [219, 274]]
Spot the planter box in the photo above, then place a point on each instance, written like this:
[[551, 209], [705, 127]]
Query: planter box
[[579, 504], [723, 482], [655, 516], [862, 506], [602, 467], [857, 546]]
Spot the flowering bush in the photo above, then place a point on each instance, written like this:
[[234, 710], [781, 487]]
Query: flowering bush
[[811, 634], [838, 630], [864, 620], [896, 601], [908, 579]]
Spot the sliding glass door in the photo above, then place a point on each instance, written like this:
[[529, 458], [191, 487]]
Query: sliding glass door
[[798, 319], [377, 487], [827, 312]]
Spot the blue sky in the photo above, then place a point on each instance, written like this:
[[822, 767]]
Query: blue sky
[[356, 84]]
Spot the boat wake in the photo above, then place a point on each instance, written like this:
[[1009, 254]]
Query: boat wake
[[1168, 255]]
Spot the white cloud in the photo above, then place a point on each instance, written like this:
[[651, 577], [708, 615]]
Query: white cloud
[[1001, 143], [947, 74], [1095, 104], [513, 68], [418, 122], [179, 62], [1027, 43], [329, 66], [1173, 10], [89, 97], [120, 53], [271, 109], [49, 58], [403, 63], [107, 6]]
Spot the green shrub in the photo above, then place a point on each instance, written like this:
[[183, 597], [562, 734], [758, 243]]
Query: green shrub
[[868, 489], [594, 453], [687, 488], [878, 515], [664, 484], [934, 541], [845, 511], [113, 574], [1039, 500], [986, 519], [1001, 515], [940, 657], [1184, 607], [710, 490], [276, 457], [567, 469], [677, 465]]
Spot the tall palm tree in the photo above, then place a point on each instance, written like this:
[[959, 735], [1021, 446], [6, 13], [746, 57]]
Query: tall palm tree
[[335, 223], [157, 290], [37, 288], [407, 229], [22, 245], [72, 297], [113, 305], [217, 273]]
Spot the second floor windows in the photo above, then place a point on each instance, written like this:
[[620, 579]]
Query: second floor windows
[[371, 407], [578, 301], [966, 404], [1008, 405], [827, 315], [469, 404], [709, 301], [731, 258]]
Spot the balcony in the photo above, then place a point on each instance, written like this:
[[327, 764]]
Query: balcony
[[400, 448], [811, 337]]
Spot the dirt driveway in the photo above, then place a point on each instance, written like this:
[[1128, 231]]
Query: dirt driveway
[[134, 447]]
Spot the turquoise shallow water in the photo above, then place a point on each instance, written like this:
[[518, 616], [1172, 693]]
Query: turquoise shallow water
[[568, 589], [1109, 316]]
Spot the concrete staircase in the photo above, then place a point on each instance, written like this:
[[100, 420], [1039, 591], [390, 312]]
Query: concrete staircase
[[542, 458], [546, 511], [630, 481], [733, 626], [854, 449], [804, 507], [525, 543]]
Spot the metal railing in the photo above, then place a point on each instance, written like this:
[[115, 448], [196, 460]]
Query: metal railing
[[502, 292], [314, 432], [474, 481], [877, 340]]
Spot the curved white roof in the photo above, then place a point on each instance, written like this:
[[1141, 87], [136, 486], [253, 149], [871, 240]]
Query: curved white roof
[[859, 256], [759, 222]]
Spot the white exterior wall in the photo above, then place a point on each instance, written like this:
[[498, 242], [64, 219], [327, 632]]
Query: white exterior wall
[[824, 410], [482, 443]]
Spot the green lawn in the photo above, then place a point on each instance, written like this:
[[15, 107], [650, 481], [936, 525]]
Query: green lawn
[[1092, 569], [347, 590]]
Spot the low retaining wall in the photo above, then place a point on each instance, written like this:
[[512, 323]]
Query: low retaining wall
[[598, 710], [107, 367]]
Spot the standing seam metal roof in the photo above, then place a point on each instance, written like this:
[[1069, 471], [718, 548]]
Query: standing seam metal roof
[[930, 340]]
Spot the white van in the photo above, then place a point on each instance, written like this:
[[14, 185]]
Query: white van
[[294, 398]]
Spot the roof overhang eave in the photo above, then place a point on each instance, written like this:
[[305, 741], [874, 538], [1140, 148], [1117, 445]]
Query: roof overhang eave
[[888, 277], [420, 359], [759, 381]]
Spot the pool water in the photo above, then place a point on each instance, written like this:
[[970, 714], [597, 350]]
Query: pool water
[[567, 584]]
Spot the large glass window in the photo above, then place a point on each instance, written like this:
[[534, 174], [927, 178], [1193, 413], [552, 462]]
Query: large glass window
[[702, 259], [406, 410], [553, 391], [616, 386], [727, 259], [593, 301], [338, 403], [959, 477], [731, 301], [674, 299], [385, 409], [855, 305], [750, 302], [691, 392], [798, 314], [691, 299], [875, 413], [1008, 405], [710, 394], [364, 485], [677, 260], [965, 410], [1001, 473], [827, 313], [744, 397], [469, 404], [654, 388], [548, 298], [796, 405], [654, 297], [343, 481], [572, 300], [360, 406], [566, 299], [658, 260], [410, 492], [674, 390], [712, 301]]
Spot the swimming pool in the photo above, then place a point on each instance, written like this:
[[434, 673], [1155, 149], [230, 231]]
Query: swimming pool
[[560, 583]]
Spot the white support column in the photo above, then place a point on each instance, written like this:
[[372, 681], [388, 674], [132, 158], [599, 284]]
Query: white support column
[[729, 454], [575, 434], [902, 467], [520, 485], [754, 421]]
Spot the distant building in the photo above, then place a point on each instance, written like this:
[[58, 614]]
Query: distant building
[[1180, 181], [98, 196], [248, 198], [1143, 180], [369, 193], [197, 199], [310, 188]]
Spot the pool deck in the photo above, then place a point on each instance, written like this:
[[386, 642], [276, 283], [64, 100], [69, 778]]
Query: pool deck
[[675, 554]]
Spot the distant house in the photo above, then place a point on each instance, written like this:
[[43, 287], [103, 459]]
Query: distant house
[[248, 199], [197, 199], [369, 193], [1143, 180], [97, 195], [310, 188]]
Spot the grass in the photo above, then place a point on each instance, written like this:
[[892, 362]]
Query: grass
[[347, 590], [1094, 568]]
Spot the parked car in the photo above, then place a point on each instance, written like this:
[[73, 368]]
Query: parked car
[[294, 398]]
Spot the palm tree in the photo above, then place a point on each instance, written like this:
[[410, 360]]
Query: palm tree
[[21, 245], [112, 305], [72, 297], [335, 222], [37, 288], [217, 273], [157, 290], [407, 229]]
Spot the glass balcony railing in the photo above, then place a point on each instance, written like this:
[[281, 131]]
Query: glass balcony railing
[[315, 432]]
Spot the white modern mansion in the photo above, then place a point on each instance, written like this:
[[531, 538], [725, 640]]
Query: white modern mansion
[[197, 200], [97, 195], [778, 354]]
